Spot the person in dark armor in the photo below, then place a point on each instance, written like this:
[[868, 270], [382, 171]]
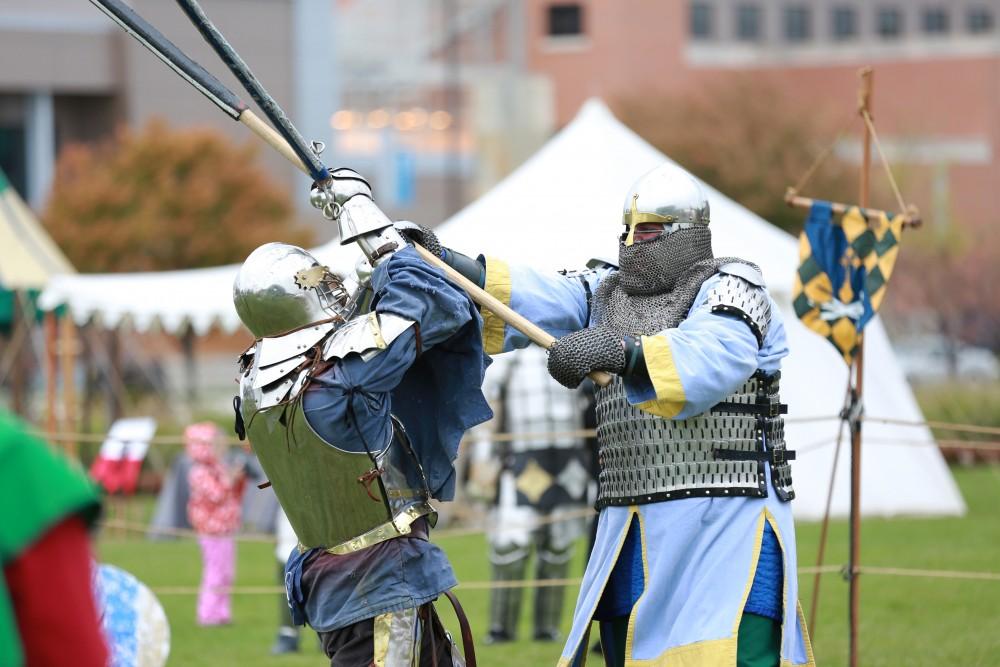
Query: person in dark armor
[[541, 492], [694, 559]]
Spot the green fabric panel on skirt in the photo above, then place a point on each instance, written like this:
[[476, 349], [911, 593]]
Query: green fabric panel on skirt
[[759, 643]]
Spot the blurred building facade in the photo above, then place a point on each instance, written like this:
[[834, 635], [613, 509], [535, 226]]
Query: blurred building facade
[[69, 75], [937, 62], [431, 100], [436, 100]]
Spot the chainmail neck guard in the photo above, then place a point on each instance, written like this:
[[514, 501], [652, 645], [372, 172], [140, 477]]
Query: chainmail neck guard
[[638, 315], [658, 266]]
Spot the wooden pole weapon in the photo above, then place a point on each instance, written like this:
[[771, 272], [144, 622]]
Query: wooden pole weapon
[[854, 562]]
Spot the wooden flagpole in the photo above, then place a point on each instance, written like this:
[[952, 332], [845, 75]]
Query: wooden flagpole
[[854, 563]]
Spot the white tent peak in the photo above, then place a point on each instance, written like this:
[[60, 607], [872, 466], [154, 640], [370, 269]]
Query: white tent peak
[[30, 257], [573, 191]]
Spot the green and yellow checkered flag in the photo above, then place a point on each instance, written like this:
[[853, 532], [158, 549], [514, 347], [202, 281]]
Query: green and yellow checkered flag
[[845, 267]]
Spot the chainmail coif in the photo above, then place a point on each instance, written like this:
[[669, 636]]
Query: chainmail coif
[[658, 282], [656, 266]]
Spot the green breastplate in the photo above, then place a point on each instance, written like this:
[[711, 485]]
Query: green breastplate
[[339, 500]]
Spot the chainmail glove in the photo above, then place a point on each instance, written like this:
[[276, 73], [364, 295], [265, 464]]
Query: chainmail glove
[[578, 353], [422, 235]]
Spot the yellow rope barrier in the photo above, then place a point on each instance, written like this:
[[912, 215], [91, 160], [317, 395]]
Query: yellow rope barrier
[[542, 583]]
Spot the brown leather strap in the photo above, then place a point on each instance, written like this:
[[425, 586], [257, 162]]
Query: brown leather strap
[[468, 646]]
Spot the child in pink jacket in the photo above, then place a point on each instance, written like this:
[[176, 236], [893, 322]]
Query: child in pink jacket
[[214, 511]]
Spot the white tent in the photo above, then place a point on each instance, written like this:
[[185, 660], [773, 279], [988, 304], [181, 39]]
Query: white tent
[[30, 258], [563, 206], [172, 300]]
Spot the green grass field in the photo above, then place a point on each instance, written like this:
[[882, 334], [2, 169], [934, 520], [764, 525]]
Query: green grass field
[[905, 620]]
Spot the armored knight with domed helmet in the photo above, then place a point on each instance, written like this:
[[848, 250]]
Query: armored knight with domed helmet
[[347, 399], [694, 560]]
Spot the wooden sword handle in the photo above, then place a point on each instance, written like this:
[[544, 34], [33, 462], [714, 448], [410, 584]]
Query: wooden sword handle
[[537, 335]]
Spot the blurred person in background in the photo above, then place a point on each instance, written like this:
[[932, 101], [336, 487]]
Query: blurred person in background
[[214, 512], [48, 613], [541, 478]]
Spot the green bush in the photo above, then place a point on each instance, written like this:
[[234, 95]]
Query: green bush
[[975, 404]]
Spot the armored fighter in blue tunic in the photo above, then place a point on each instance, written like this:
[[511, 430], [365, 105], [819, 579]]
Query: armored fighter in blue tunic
[[694, 561], [355, 402]]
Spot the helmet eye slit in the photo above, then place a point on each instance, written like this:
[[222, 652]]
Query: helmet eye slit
[[646, 232]]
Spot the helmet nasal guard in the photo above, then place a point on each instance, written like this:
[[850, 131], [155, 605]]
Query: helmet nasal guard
[[667, 195]]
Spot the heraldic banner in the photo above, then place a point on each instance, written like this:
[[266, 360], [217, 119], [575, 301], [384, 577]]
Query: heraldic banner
[[845, 267]]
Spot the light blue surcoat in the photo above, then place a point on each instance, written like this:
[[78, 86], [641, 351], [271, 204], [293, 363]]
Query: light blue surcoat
[[699, 555]]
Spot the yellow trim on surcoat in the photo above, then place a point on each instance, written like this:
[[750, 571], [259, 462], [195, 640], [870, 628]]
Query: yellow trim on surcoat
[[711, 652], [670, 398], [498, 286], [810, 659], [708, 653], [566, 662], [630, 634]]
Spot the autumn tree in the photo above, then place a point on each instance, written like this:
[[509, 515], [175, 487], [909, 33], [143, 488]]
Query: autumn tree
[[162, 199], [943, 284], [743, 137]]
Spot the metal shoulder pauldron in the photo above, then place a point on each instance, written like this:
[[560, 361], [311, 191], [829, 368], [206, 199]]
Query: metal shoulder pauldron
[[282, 365], [740, 292]]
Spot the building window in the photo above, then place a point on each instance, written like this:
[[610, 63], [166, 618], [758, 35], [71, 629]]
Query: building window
[[797, 23], [13, 141], [979, 20], [936, 21], [565, 19], [889, 22], [701, 20], [845, 23], [748, 23], [12, 158]]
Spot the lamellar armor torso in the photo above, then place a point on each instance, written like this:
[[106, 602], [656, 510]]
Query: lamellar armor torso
[[646, 458]]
